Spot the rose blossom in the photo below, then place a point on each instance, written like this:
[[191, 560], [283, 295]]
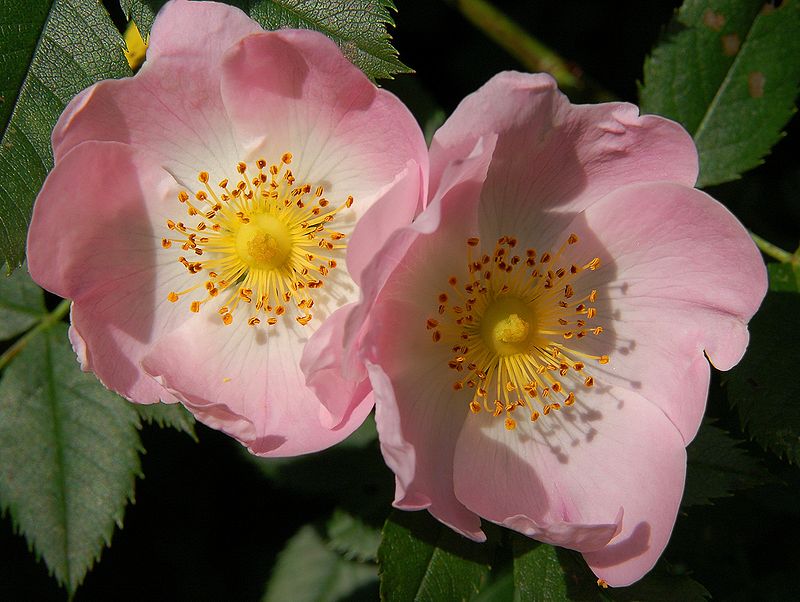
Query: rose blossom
[[200, 216], [538, 352]]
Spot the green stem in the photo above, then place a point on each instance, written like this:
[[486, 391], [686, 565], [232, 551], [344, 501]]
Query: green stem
[[533, 54], [46, 322], [774, 251]]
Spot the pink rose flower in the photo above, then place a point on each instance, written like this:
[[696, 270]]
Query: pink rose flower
[[539, 351], [201, 218]]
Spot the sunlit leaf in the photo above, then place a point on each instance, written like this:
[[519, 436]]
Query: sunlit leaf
[[537, 571], [69, 455], [21, 303], [729, 72], [307, 570], [142, 12], [357, 26], [421, 559], [49, 51], [764, 387], [172, 415]]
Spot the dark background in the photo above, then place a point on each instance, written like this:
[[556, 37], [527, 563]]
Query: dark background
[[207, 523]]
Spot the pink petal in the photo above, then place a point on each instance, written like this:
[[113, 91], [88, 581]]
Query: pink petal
[[417, 416], [97, 207], [172, 108], [323, 362], [681, 278], [339, 127], [381, 220], [552, 156], [159, 130], [200, 31], [248, 384], [565, 478], [92, 240], [417, 438], [457, 195]]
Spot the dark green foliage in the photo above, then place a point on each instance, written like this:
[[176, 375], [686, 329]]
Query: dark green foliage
[[422, 560], [357, 26], [352, 537], [784, 277], [168, 415], [21, 304], [763, 387], [729, 71], [543, 573], [70, 455], [538, 575], [49, 51], [308, 570], [717, 466]]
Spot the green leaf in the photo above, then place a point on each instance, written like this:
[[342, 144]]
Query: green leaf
[[308, 571], [784, 277], [21, 304], [357, 26], [543, 572], [142, 12], [421, 559], [717, 466], [730, 75], [352, 537], [499, 589], [49, 51], [69, 455], [172, 415], [764, 387], [538, 575]]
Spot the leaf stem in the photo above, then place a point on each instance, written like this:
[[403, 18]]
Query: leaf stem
[[774, 251], [530, 52], [45, 322]]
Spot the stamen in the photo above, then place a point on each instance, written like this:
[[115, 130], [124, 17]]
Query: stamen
[[256, 239], [515, 326]]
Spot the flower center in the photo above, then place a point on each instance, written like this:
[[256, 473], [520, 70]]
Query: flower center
[[513, 327], [264, 243], [267, 243], [506, 326]]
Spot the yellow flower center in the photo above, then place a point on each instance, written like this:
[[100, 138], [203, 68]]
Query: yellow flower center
[[512, 328], [506, 326], [268, 243], [264, 243]]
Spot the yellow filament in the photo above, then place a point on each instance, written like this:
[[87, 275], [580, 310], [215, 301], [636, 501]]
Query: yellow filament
[[513, 328], [264, 241]]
